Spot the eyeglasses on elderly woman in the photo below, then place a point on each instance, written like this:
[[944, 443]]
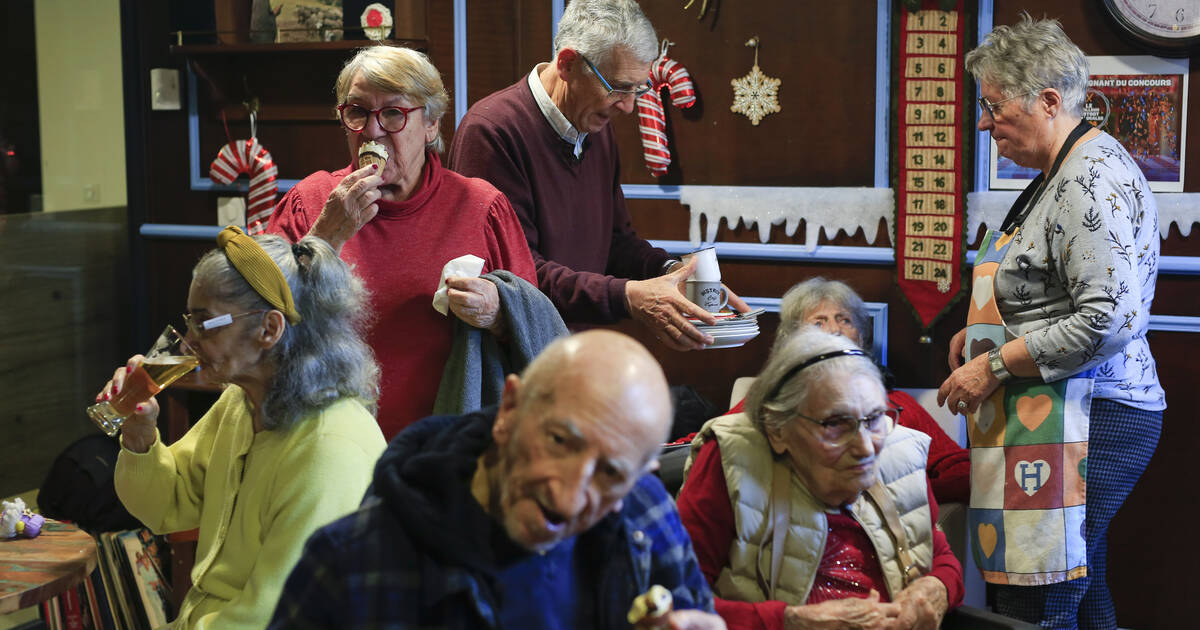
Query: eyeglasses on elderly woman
[[391, 119], [840, 430], [991, 108]]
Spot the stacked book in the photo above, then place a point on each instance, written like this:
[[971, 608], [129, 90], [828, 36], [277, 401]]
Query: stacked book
[[127, 591]]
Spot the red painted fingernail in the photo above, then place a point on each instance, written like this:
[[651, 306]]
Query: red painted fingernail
[[141, 408], [374, 167], [128, 369]]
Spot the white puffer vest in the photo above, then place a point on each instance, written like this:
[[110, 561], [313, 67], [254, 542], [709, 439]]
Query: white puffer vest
[[748, 464]]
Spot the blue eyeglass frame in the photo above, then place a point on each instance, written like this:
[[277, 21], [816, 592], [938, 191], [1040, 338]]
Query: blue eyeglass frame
[[611, 90]]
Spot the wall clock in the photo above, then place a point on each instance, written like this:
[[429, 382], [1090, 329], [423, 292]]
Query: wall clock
[[1170, 27]]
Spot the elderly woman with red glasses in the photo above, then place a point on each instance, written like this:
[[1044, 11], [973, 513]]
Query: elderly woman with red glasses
[[811, 509], [398, 217]]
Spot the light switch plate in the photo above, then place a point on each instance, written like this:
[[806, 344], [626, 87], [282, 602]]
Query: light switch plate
[[164, 88]]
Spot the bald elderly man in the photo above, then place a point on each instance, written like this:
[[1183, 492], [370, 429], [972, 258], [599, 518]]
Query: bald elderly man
[[538, 514]]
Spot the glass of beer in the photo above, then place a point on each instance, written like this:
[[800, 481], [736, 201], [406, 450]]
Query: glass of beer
[[170, 358]]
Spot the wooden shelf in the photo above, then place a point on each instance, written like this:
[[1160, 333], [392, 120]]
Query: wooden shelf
[[291, 47]]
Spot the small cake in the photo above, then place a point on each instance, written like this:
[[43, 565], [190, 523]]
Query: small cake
[[650, 609], [372, 152]]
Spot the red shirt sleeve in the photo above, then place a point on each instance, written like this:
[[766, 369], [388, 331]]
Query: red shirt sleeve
[[707, 514], [945, 566], [507, 248], [949, 465]]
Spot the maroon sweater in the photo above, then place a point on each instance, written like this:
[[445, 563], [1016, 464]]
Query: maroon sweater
[[399, 255], [572, 210]]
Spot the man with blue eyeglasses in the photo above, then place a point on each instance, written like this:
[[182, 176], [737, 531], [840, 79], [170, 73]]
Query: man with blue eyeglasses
[[546, 143]]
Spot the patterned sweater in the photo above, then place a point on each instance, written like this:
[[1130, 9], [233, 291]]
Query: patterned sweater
[[1078, 280]]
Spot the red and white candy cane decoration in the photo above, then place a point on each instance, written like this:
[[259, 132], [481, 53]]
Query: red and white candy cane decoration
[[251, 158], [652, 120]]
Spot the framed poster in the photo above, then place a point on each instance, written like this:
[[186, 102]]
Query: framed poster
[[1139, 100]]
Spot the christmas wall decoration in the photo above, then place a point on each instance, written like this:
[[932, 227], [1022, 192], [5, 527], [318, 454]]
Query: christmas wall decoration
[[756, 94], [248, 157], [929, 188], [652, 120]]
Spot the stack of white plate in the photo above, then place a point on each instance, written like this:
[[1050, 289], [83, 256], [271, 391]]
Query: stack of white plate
[[730, 330]]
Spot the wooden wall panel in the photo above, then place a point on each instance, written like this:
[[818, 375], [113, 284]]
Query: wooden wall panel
[[824, 133]]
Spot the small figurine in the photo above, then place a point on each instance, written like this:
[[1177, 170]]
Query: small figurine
[[651, 609], [17, 520]]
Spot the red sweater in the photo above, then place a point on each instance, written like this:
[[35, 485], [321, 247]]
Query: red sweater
[[949, 466], [707, 514], [399, 255], [572, 210]]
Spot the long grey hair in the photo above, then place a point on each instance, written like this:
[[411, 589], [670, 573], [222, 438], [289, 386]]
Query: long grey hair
[[321, 359]]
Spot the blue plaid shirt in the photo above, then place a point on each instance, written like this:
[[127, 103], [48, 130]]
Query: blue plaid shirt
[[369, 570]]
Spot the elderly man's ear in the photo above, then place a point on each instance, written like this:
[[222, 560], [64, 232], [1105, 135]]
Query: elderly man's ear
[[568, 61], [502, 429]]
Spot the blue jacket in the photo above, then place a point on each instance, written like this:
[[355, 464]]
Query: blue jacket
[[421, 553]]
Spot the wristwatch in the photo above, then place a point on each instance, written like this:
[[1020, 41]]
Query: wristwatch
[[996, 365]]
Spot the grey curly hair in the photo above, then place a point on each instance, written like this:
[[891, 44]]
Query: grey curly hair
[[1029, 56], [321, 359], [805, 296], [403, 71], [594, 28], [771, 414]]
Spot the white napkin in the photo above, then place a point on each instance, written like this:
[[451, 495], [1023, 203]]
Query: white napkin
[[468, 266]]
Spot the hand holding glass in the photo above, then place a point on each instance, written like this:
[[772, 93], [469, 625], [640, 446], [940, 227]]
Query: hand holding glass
[[170, 358]]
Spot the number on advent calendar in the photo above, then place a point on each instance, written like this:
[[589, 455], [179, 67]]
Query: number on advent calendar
[[930, 204], [929, 270], [929, 67], [935, 181], [928, 114], [929, 20], [933, 248], [930, 136], [939, 91], [931, 44]]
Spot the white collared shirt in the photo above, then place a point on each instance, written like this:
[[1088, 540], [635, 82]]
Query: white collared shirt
[[554, 116]]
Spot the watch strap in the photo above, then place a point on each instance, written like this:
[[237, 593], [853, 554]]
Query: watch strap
[[997, 366]]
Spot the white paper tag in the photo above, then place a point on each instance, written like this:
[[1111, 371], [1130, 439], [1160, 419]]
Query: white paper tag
[[218, 321]]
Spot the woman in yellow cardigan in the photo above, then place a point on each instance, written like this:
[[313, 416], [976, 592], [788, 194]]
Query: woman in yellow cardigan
[[291, 443]]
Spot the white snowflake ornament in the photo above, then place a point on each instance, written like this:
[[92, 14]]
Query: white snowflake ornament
[[756, 94]]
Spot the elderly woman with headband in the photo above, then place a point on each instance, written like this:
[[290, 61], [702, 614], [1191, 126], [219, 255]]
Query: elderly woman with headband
[[398, 217], [812, 508], [835, 308], [291, 443], [1063, 401]]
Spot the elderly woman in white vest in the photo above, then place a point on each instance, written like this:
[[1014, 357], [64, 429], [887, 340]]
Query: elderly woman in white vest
[[811, 508]]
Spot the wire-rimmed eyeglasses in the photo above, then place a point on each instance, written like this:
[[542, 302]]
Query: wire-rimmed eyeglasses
[[989, 107], [392, 119], [202, 328], [841, 430], [615, 93]]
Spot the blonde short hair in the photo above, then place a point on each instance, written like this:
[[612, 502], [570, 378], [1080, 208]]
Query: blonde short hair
[[403, 71]]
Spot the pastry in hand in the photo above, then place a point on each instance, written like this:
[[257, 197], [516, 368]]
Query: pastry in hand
[[651, 609], [372, 152]]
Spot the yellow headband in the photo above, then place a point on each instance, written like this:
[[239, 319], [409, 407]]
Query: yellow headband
[[264, 276]]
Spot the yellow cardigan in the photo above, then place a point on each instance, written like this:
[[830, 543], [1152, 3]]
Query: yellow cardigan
[[267, 493]]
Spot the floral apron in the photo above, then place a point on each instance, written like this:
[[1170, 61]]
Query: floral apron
[[1028, 445]]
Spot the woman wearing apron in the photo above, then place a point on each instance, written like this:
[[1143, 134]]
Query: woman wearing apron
[[1053, 369]]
